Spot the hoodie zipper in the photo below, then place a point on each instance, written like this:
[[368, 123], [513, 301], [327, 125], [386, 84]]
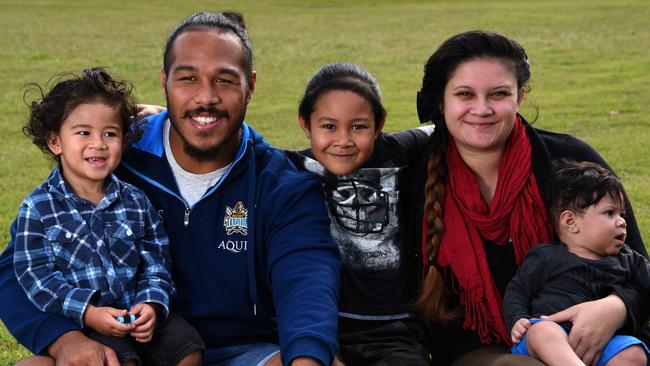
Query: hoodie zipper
[[186, 217]]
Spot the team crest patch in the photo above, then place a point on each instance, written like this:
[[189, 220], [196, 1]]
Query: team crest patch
[[235, 220]]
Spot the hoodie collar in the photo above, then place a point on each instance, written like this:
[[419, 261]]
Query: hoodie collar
[[152, 135]]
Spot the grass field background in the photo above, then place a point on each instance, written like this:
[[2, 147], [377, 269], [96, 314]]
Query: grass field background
[[590, 60]]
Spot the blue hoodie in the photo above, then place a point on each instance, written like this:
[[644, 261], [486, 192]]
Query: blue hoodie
[[252, 260]]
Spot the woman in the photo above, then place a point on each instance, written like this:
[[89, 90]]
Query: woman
[[483, 184]]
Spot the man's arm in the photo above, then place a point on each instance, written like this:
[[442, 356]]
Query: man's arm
[[304, 267], [34, 329]]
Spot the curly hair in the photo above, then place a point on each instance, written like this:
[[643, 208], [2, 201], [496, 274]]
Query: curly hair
[[47, 113]]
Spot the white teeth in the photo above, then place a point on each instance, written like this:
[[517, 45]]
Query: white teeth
[[204, 120], [95, 160]]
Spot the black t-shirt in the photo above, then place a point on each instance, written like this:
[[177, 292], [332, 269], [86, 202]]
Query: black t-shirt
[[366, 210]]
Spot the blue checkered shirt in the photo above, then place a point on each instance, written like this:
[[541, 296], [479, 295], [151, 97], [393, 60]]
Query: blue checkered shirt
[[70, 253]]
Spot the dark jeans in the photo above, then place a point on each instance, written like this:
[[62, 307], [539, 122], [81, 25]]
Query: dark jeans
[[171, 342], [382, 343]]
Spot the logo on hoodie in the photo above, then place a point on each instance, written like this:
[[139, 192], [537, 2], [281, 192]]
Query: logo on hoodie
[[236, 219]]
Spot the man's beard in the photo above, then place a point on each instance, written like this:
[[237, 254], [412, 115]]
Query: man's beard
[[197, 153]]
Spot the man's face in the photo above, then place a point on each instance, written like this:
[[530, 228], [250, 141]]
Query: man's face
[[207, 94]]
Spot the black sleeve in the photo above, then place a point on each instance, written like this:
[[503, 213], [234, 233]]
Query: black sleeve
[[523, 287], [412, 142], [640, 272], [637, 286]]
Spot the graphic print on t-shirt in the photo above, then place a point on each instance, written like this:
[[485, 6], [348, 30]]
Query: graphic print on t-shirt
[[362, 208]]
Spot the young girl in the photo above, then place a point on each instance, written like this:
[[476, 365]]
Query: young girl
[[89, 246], [363, 173], [590, 261]]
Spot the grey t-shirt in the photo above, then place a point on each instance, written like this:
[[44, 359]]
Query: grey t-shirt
[[191, 186]]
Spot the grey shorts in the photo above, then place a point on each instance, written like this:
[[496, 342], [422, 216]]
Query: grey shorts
[[171, 342]]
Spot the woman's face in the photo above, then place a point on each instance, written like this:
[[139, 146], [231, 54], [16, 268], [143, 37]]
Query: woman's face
[[480, 103]]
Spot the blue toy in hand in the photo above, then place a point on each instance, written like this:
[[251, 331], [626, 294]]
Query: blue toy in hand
[[128, 319]]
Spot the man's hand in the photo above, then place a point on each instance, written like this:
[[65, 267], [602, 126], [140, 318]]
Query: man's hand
[[145, 323], [594, 323], [75, 349], [102, 319], [519, 330]]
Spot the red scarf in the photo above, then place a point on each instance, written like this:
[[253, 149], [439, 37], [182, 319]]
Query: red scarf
[[517, 212]]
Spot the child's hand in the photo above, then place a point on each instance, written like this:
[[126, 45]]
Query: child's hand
[[146, 110], [102, 319], [519, 330], [145, 323]]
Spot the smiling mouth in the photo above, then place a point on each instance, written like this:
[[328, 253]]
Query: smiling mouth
[[206, 117], [481, 124], [343, 156], [96, 160], [204, 122]]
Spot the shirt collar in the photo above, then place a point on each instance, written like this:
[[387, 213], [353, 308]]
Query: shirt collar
[[58, 186]]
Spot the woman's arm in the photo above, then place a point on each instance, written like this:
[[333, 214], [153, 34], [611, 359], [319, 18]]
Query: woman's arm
[[594, 323]]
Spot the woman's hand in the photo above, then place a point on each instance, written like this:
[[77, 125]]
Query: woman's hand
[[594, 323]]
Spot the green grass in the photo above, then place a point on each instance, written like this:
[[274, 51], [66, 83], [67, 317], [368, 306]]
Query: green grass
[[590, 64]]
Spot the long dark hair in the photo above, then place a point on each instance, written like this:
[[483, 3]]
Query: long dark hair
[[433, 298]]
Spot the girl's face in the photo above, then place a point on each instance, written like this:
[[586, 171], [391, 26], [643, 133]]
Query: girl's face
[[342, 131], [481, 101], [89, 144]]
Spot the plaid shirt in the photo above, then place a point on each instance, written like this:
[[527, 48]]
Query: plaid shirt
[[70, 253]]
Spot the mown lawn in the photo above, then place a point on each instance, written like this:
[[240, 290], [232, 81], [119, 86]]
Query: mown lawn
[[590, 59]]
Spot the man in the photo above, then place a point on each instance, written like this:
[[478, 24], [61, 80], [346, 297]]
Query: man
[[253, 262]]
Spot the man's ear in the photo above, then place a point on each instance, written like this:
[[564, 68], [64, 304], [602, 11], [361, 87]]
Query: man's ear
[[54, 144], [251, 86], [568, 222], [163, 81], [304, 125]]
